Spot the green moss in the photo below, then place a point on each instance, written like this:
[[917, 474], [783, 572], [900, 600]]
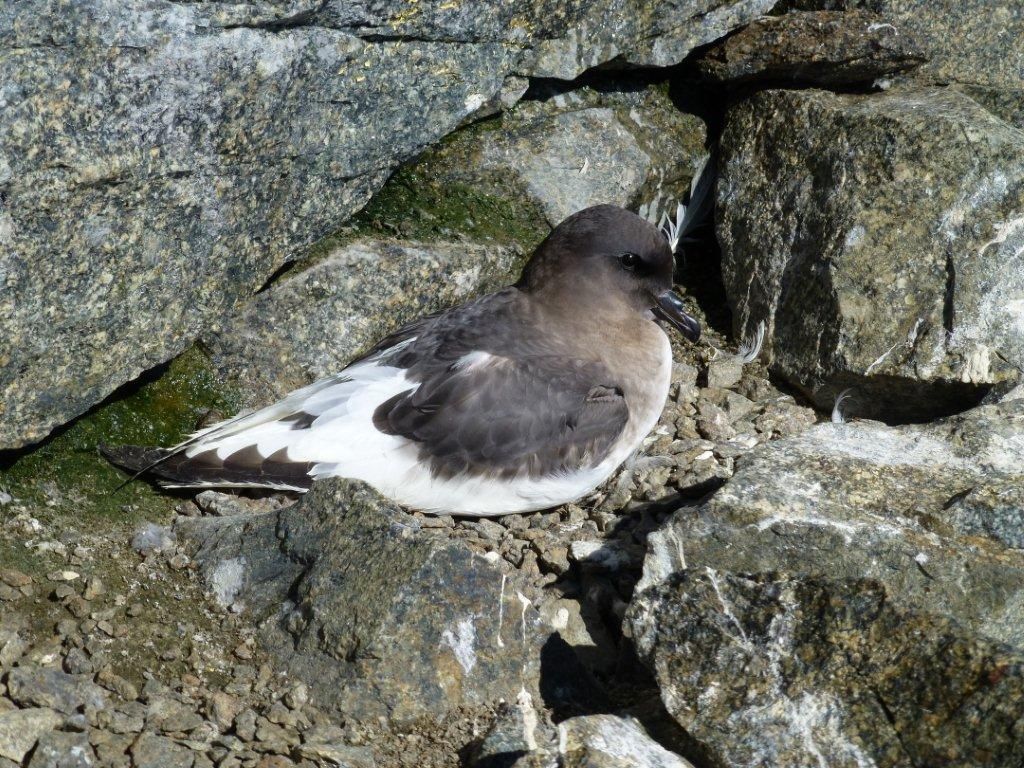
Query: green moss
[[66, 474], [432, 199]]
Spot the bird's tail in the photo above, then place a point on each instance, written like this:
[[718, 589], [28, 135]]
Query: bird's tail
[[172, 468]]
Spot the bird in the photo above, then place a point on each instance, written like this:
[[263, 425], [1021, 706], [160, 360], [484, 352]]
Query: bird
[[520, 400]]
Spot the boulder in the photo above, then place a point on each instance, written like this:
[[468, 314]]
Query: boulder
[[966, 41], [610, 142], [315, 321], [854, 595], [20, 729], [41, 687], [380, 616], [930, 511], [158, 163], [770, 669], [882, 240], [816, 47]]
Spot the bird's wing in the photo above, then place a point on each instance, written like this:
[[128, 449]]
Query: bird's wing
[[487, 414]]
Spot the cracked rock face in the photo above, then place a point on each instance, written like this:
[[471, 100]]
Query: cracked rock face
[[978, 42], [854, 590], [616, 144], [159, 162], [882, 239], [795, 671], [818, 47], [379, 617]]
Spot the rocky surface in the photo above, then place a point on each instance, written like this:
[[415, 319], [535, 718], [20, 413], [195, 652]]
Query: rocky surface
[[380, 617], [879, 535], [346, 302], [784, 671], [818, 48], [628, 32], [880, 238], [158, 163], [565, 150], [977, 42]]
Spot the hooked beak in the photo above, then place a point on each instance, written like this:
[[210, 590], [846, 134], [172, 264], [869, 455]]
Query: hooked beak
[[670, 307]]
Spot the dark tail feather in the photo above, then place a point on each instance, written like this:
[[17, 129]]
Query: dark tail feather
[[245, 469]]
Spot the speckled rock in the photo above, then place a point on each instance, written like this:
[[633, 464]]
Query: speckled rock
[[882, 239], [820, 48], [158, 163], [313, 322], [63, 750], [377, 615], [770, 669], [640, 33], [610, 143], [609, 741], [21, 728], [931, 512], [967, 41], [37, 687]]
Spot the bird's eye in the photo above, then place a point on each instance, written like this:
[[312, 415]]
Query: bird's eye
[[629, 261]]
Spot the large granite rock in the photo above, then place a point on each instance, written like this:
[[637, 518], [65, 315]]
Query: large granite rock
[[612, 142], [816, 47], [855, 591], [978, 42], [380, 617], [312, 323], [882, 239], [790, 672], [160, 160], [637, 33]]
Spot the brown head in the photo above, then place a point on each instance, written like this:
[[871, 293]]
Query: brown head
[[605, 253]]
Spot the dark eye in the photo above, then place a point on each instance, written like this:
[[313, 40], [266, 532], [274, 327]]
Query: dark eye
[[629, 261]]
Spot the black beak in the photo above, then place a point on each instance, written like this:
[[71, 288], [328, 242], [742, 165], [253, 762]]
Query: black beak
[[670, 308]]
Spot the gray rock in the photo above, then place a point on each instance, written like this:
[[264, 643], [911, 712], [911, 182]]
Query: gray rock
[[517, 732], [655, 34], [40, 687], [63, 750], [769, 669], [966, 41], [612, 143], [21, 728], [159, 163], [932, 512], [344, 304], [609, 741], [379, 616], [152, 751], [882, 239], [820, 48], [326, 745]]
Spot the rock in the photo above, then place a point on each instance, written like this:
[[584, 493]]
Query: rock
[[40, 687], [610, 143], [930, 511], [609, 741], [326, 745], [816, 48], [785, 671], [21, 728], [63, 750], [377, 615], [152, 751], [654, 34], [882, 239], [152, 538], [344, 304], [974, 42], [159, 163]]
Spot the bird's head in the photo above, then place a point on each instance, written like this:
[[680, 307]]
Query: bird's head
[[608, 254]]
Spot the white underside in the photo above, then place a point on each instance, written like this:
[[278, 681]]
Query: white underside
[[343, 442]]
